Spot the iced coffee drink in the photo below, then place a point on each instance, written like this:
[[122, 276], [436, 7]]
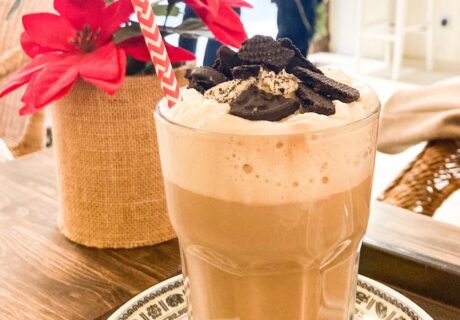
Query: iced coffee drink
[[268, 165]]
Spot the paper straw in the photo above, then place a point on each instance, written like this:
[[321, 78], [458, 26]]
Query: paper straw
[[157, 50]]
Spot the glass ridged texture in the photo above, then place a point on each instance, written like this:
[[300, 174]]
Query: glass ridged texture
[[269, 226]]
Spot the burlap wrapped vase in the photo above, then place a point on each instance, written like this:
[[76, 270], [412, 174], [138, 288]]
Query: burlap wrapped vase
[[24, 134], [110, 183]]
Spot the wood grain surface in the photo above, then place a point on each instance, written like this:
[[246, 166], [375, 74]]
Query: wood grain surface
[[415, 236], [413, 252], [44, 276]]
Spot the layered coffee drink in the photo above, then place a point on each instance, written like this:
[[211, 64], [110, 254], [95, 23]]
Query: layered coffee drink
[[268, 164]]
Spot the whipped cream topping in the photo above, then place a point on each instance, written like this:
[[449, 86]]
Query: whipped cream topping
[[210, 112], [263, 162], [227, 92], [284, 84]]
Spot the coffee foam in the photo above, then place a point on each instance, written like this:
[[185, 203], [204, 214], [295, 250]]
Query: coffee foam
[[268, 163]]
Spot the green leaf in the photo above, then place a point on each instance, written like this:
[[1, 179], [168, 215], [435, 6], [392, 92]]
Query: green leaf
[[192, 28], [13, 8], [172, 3], [162, 10], [131, 30]]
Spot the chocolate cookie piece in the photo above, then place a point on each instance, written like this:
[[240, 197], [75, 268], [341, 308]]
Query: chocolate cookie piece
[[313, 102], [256, 104], [298, 60], [200, 87], [226, 60], [325, 86], [204, 78], [266, 51], [193, 83], [245, 72], [208, 74]]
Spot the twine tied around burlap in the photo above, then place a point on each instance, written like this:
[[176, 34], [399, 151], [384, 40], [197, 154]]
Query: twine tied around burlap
[[110, 181]]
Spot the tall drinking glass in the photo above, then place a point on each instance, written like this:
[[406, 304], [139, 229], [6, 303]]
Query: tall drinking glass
[[269, 226]]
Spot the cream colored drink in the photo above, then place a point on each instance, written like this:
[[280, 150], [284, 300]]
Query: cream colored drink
[[288, 261], [270, 215]]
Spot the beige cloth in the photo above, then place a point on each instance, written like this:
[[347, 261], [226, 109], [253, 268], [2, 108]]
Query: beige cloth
[[414, 116], [5, 154], [21, 134]]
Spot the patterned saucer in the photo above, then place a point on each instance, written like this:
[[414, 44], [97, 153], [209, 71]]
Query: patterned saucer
[[165, 301]]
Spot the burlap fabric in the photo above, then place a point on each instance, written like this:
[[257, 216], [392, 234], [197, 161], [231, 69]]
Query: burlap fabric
[[111, 187]]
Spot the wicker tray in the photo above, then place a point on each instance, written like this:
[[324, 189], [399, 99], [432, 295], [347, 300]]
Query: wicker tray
[[428, 180]]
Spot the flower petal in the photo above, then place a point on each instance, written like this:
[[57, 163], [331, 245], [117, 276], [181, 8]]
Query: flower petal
[[178, 54], [49, 31], [102, 64], [32, 48], [228, 29], [29, 107], [50, 84], [136, 48], [26, 110], [138, 53], [213, 8], [237, 3], [203, 10], [26, 73], [81, 12], [116, 14], [28, 96], [105, 68], [109, 87]]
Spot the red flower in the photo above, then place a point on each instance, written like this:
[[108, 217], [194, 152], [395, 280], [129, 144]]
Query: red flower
[[75, 44], [221, 19], [136, 48]]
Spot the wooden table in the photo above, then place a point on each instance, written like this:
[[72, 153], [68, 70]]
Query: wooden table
[[44, 276]]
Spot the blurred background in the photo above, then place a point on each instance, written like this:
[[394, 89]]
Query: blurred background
[[391, 45]]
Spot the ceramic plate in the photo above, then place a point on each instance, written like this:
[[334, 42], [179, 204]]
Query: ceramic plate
[[165, 301]]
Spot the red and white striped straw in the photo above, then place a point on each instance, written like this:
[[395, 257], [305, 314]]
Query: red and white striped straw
[[157, 50]]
